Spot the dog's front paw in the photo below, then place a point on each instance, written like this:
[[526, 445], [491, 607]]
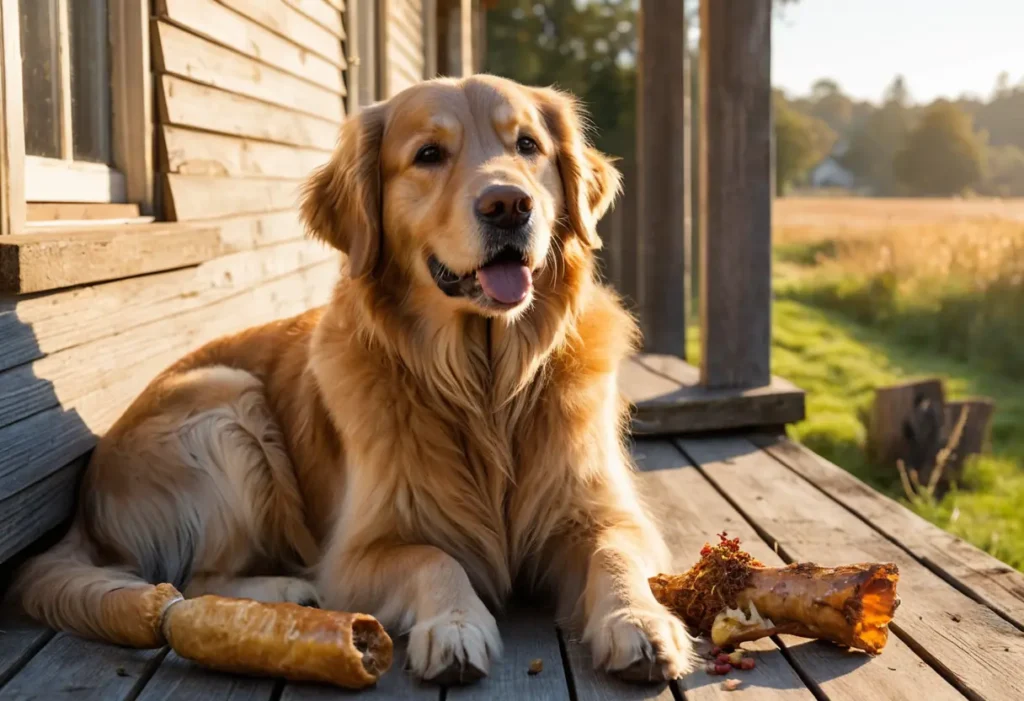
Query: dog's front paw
[[454, 648], [641, 645]]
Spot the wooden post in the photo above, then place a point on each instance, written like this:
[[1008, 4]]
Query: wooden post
[[735, 193], [12, 126], [466, 38], [662, 153]]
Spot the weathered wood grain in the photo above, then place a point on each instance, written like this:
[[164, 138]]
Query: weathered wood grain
[[292, 25], [688, 513], [321, 12], [403, 60], [30, 388], [20, 639], [177, 679], [679, 492], [185, 103], [662, 151], [190, 152], [78, 211], [184, 54], [669, 399], [192, 197], [397, 684], [527, 634], [86, 670], [55, 258], [966, 642], [37, 446], [735, 192], [31, 327], [969, 569], [211, 20], [32, 512]]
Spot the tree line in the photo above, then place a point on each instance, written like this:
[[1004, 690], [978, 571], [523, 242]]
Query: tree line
[[947, 147]]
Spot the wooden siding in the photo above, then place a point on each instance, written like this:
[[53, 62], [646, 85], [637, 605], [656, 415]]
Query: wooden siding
[[403, 55], [249, 97], [241, 84]]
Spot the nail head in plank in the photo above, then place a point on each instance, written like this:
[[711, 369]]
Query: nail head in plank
[[86, 670], [178, 679], [966, 642], [992, 582], [675, 493], [527, 635]]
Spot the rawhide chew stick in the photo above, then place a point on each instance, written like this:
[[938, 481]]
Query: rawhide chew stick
[[350, 650], [295, 642], [733, 598]]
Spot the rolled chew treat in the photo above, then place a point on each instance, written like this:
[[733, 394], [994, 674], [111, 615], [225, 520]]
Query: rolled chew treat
[[350, 650], [734, 598]]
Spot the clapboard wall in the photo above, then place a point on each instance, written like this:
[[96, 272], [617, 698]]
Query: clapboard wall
[[249, 96], [404, 56]]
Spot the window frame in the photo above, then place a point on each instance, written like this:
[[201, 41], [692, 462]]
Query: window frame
[[131, 177]]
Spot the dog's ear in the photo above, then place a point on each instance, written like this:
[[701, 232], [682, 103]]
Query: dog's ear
[[341, 201], [590, 180]]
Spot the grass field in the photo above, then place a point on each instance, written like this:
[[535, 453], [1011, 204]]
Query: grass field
[[869, 292]]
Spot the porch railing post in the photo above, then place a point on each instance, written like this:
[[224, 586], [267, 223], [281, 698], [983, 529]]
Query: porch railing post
[[735, 193], [662, 153]]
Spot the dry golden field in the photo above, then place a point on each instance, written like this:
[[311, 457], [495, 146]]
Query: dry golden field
[[975, 241]]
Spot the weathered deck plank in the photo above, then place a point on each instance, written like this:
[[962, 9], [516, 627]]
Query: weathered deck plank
[[20, 638], [85, 670], [590, 684], [178, 679], [841, 675], [992, 582], [396, 685], [966, 642], [526, 635]]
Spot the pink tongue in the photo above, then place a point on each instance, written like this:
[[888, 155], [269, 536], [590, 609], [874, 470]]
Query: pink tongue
[[508, 282]]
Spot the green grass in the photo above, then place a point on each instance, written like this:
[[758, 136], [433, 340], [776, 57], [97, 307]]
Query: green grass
[[839, 352]]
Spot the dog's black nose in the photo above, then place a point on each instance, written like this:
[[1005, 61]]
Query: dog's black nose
[[504, 207]]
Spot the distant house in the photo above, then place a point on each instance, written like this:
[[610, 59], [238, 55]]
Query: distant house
[[829, 173]]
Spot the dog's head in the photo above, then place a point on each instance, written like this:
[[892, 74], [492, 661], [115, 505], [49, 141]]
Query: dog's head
[[467, 186]]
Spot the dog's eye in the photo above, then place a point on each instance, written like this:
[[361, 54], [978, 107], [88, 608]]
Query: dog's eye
[[431, 154], [526, 146]]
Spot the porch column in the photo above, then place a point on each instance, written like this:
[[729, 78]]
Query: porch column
[[662, 160], [735, 193]]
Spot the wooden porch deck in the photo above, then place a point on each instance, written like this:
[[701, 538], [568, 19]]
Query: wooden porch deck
[[958, 633]]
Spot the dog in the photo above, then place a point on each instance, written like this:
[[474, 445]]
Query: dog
[[447, 429]]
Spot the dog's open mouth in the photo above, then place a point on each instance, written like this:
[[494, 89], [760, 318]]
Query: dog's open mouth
[[505, 280]]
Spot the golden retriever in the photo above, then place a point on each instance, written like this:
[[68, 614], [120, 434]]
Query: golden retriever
[[447, 428]]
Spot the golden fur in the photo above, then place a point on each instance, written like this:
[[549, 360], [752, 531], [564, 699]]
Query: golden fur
[[400, 452]]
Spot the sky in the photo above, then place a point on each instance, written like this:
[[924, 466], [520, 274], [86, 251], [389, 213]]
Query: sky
[[944, 48]]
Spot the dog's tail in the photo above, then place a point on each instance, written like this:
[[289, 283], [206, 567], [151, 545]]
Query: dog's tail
[[66, 588]]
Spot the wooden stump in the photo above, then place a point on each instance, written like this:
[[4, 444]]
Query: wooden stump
[[969, 439], [912, 424]]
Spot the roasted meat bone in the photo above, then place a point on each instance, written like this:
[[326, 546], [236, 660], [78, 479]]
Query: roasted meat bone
[[733, 598]]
